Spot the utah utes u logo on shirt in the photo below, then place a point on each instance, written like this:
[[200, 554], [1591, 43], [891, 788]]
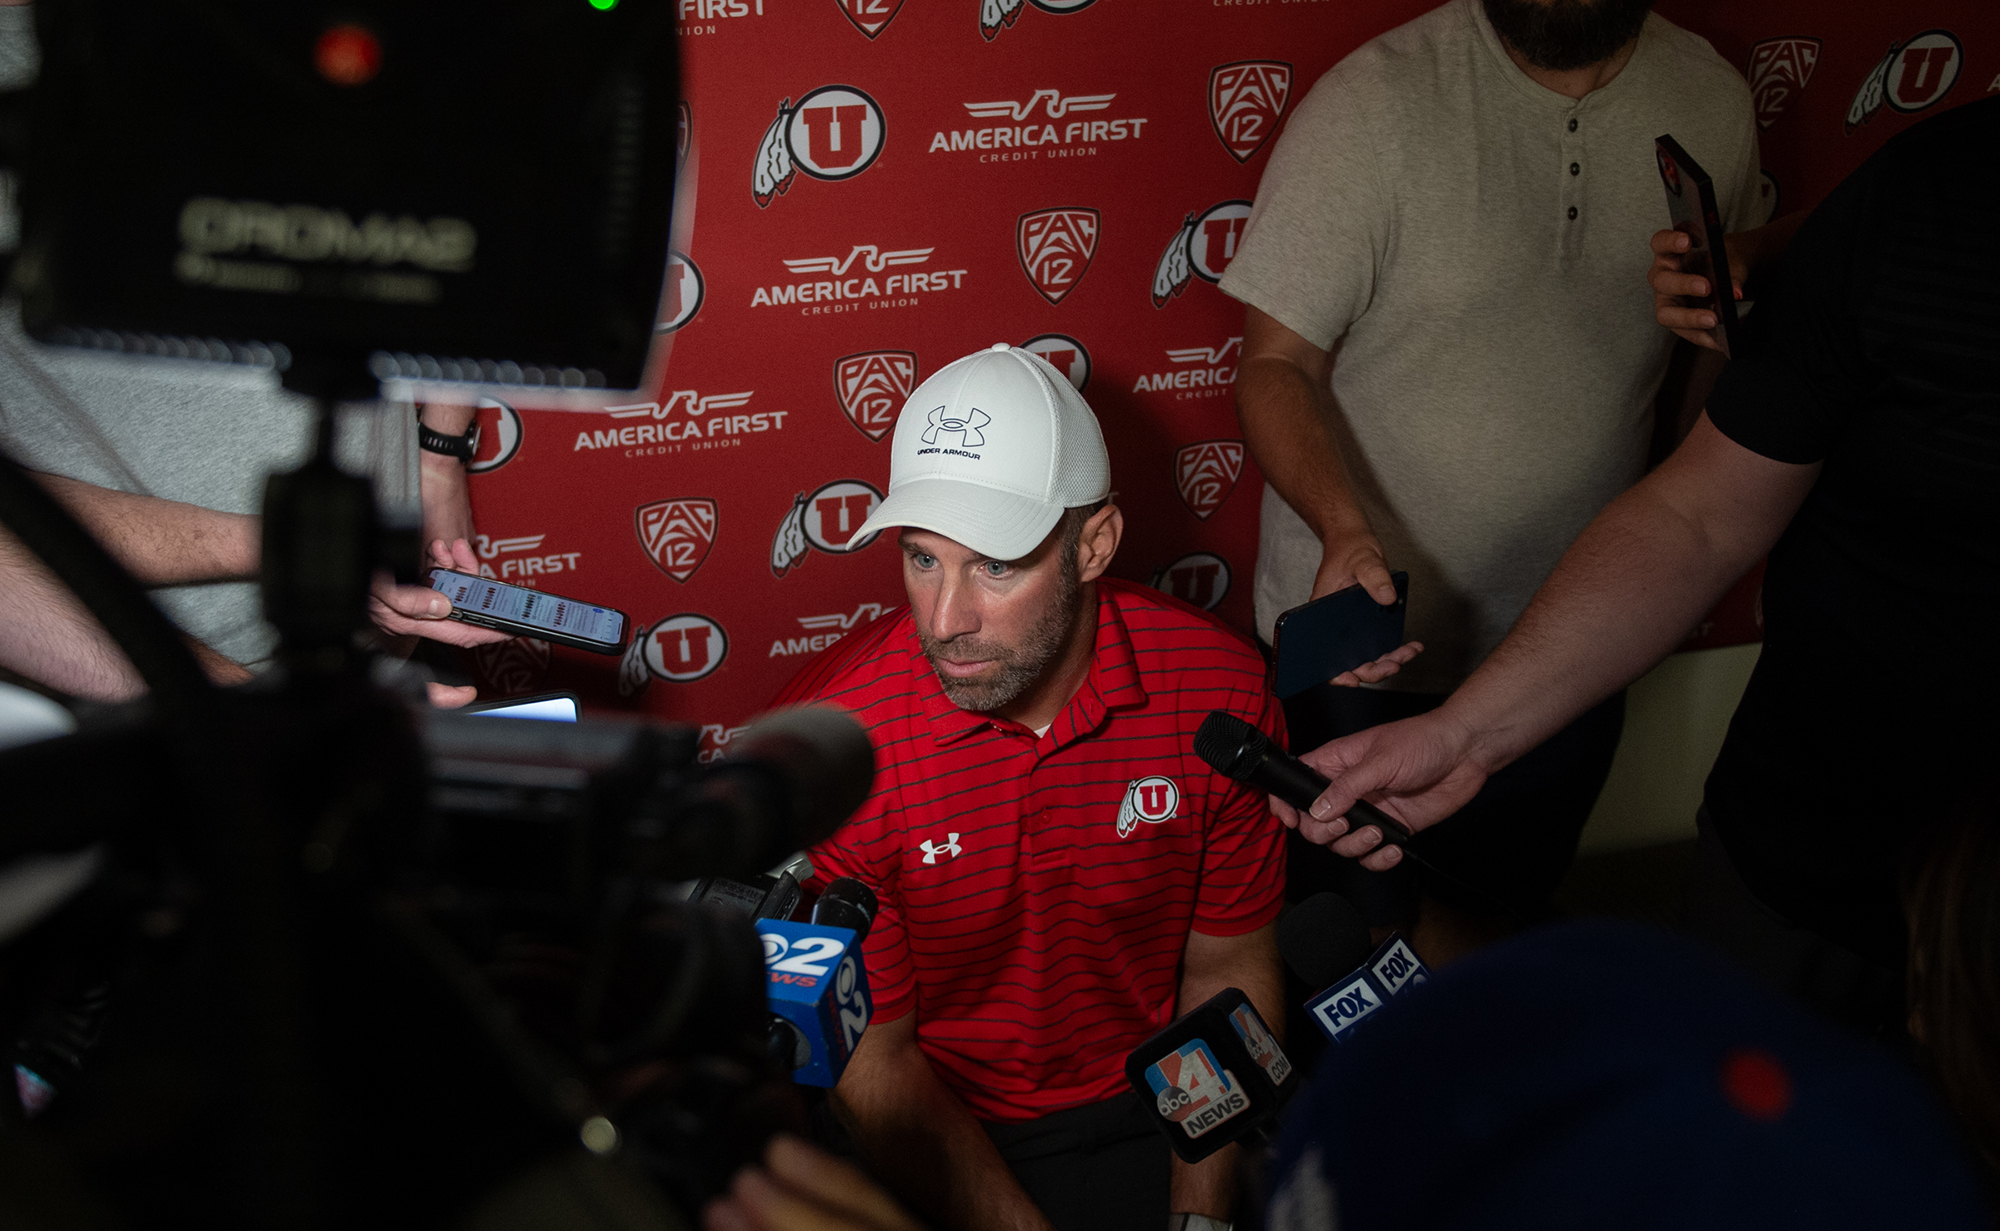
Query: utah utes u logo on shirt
[[1152, 800]]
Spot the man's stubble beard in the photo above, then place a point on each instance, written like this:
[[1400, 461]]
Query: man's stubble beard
[[1567, 34], [1020, 666]]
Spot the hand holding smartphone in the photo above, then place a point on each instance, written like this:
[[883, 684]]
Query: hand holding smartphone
[[531, 613], [1335, 634]]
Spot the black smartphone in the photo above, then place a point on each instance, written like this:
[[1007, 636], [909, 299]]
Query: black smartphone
[[1345, 629], [531, 613], [1691, 204]]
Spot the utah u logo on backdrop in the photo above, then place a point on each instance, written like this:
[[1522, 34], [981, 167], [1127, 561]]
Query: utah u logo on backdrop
[[995, 14], [833, 133], [1913, 76]]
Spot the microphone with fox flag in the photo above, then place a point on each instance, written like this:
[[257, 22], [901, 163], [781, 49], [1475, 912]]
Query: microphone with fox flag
[[1325, 941], [1214, 1076], [816, 984]]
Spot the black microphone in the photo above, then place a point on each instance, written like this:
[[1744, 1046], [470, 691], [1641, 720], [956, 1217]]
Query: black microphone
[[1235, 749], [1214, 1076], [816, 984], [787, 783]]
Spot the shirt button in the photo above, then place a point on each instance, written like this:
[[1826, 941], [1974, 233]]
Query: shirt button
[[1572, 213], [1572, 124], [1575, 169]]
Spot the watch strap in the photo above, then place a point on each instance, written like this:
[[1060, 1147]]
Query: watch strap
[[433, 441]]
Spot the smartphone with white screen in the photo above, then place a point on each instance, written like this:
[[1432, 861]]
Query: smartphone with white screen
[[547, 707], [531, 613]]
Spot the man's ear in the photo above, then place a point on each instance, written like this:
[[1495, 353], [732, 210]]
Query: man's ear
[[1099, 542]]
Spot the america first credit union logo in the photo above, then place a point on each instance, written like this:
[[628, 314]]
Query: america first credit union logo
[[684, 648], [833, 133], [1914, 75], [683, 295], [825, 520], [870, 17], [871, 386], [1046, 124], [1206, 472], [1202, 248], [859, 280], [1151, 799], [676, 534], [1063, 353], [997, 14], [499, 438], [1055, 247], [1779, 70], [1245, 101]]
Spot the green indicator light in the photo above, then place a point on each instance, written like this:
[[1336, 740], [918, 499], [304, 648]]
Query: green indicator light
[[604, 6]]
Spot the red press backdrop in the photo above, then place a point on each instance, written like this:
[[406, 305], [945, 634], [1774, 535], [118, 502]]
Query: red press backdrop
[[871, 188]]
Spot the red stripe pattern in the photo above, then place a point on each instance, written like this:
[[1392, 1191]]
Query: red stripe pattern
[[1036, 892]]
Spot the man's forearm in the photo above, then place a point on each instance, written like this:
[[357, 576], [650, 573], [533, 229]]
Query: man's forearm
[[1627, 592], [921, 1139], [1289, 429], [162, 542], [1211, 963]]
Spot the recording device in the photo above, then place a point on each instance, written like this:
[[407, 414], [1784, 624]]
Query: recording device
[[448, 191], [531, 613], [818, 985], [1216, 1075], [546, 707], [1325, 941], [1691, 203], [1335, 633], [1235, 749]]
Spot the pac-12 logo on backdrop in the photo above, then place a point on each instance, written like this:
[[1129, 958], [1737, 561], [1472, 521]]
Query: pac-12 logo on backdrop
[[1914, 75], [834, 133], [993, 14], [827, 520], [676, 534], [1203, 248], [684, 293], [499, 435], [684, 648], [871, 387], [1200, 579], [1245, 100], [1779, 70], [1065, 354], [1206, 472], [513, 666], [1152, 799], [869, 16], [1055, 247]]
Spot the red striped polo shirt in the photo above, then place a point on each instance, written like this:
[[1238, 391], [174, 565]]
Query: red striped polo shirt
[[1037, 892]]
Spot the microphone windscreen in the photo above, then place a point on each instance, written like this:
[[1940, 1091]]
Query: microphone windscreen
[[1220, 741], [847, 903], [1323, 938]]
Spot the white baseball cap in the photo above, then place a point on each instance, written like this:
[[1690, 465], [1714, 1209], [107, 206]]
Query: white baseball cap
[[989, 452]]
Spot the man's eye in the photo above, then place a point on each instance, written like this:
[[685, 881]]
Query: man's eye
[[996, 568], [923, 561]]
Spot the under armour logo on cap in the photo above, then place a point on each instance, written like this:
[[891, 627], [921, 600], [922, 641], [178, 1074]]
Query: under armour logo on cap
[[970, 431], [931, 851]]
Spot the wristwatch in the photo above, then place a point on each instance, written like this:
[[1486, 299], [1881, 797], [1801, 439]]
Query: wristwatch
[[1196, 1222], [434, 441]]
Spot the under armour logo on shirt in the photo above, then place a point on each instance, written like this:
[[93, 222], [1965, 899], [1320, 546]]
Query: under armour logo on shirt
[[932, 851]]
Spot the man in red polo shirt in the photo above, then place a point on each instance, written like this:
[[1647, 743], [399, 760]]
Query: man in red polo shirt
[[1059, 874]]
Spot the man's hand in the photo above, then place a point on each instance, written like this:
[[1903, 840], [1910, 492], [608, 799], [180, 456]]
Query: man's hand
[[1419, 771], [1354, 558], [423, 612], [801, 1189], [441, 480], [1672, 289], [1381, 669]]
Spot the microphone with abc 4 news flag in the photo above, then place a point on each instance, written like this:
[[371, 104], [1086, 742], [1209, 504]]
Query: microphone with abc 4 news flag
[[1325, 941], [1215, 1076]]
